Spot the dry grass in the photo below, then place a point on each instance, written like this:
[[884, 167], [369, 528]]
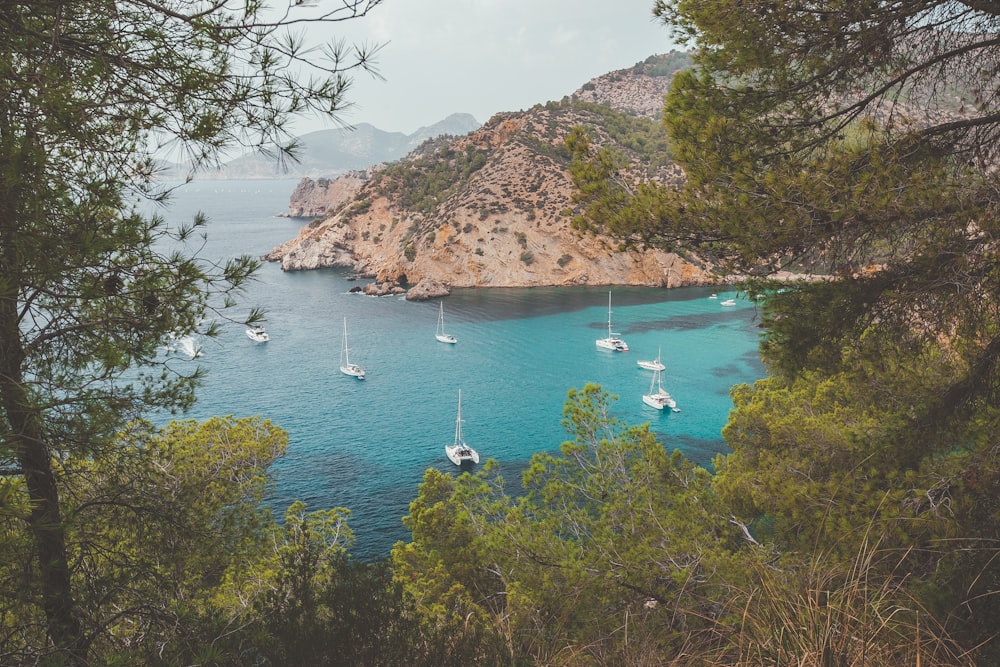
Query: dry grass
[[829, 616]]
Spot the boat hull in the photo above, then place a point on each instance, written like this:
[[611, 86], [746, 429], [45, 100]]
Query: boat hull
[[613, 344], [353, 370], [459, 455], [446, 338], [651, 365], [659, 401]]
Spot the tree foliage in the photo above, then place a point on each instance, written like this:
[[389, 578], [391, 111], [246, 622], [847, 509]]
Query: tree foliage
[[154, 524], [616, 550], [856, 140], [91, 93], [178, 561], [837, 143]]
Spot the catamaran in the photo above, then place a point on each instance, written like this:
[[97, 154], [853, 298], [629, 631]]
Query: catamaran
[[612, 342], [659, 398], [459, 452]]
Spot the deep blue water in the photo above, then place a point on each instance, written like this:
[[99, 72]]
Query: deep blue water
[[365, 445]]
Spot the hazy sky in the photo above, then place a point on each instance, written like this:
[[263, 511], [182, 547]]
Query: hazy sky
[[484, 56]]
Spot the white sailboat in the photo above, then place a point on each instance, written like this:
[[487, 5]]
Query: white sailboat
[[659, 398], [612, 342], [459, 452], [346, 367], [440, 334], [654, 365]]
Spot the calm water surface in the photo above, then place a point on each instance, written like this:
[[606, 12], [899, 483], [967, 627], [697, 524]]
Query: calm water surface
[[365, 445]]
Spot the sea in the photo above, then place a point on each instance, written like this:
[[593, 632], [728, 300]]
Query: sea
[[365, 445]]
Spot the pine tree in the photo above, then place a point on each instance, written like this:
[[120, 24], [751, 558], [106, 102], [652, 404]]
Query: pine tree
[[92, 93]]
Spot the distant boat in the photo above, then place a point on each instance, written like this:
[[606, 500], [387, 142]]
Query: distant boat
[[713, 296], [459, 452], [441, 335], [257, 334], [612, 342], [654, 365], [728, 302], [659, 398], [186, 345], [346, 367]]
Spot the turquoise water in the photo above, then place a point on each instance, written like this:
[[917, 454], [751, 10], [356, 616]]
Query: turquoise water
[[365, 445]]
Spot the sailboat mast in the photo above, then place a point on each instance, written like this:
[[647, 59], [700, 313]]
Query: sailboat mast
[[458, 420], [609, 313], [345, 360]]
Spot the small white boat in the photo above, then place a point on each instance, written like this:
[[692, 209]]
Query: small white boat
[[257, 334], [713, 296], [612, 342], [186, 345], [659, 398], [459, 452], [728, 302], [654, 365], [440, 334], [346, 367]]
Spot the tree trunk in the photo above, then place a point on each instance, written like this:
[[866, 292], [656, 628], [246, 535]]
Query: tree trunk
[[25, 437], [45, 523]]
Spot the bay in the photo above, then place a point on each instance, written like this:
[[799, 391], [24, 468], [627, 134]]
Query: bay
[[365, 445]]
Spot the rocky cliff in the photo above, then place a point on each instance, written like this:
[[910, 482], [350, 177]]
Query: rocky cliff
[[490, 209]]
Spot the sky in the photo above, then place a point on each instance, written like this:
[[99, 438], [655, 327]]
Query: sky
[[481, 57]]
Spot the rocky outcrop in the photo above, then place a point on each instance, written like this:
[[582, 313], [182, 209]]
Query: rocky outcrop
[[428, 288], [639, 90], [321, 197], [494, 208], [383, 289], [640, 94]]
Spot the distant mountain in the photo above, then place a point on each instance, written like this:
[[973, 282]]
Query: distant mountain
[[330, 153]]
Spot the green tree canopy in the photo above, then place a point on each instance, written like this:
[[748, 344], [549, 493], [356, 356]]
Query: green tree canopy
[[617, 550], [91, 93], [858, 141]]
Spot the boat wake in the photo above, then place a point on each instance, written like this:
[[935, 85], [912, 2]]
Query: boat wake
[[186, 345]]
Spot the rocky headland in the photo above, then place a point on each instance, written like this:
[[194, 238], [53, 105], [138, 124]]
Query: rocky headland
[[493, 208]]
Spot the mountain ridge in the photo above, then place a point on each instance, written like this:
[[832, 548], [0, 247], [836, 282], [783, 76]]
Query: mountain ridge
[[333, 152]]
